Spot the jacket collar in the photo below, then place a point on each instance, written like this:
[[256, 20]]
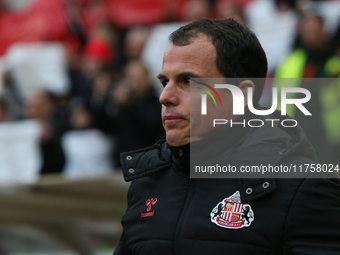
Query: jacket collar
[[181, 159], [139, 163]]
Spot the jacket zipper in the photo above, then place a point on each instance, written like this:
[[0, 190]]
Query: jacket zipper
[[190, 193]]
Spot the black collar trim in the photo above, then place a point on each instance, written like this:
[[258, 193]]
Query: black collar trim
[[150, 156]]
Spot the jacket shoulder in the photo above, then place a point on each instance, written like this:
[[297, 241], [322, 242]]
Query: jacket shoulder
[[139, 163]]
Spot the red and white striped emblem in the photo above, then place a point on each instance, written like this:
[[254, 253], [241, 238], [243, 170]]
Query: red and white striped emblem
[[231, 213]]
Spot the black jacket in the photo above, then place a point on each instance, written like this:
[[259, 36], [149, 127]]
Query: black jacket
[[169, 213]]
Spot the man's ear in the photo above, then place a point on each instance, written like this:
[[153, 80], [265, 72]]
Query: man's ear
[[244, 85]]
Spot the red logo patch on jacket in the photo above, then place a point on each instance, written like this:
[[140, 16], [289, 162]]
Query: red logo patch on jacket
[[231, 213], [149, 204]]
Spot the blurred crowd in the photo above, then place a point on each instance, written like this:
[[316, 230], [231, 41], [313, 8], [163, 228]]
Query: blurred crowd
[[106, 101]]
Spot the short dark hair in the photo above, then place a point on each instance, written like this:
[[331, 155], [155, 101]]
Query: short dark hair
[[239, 52]]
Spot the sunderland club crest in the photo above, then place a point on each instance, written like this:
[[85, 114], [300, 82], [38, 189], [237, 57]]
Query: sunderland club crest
[[231, 213]]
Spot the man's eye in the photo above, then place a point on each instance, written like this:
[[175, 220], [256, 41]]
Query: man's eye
[[164, 82], [187, 80]]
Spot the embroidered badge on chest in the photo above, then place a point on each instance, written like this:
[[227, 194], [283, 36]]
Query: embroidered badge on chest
[[231, 213]]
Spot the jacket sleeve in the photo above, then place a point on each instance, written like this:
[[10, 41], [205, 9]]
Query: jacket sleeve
[[313, 221]]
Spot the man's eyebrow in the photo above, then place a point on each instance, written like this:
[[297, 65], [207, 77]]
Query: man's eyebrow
[[161, 76], [183, 74], [188, 74]]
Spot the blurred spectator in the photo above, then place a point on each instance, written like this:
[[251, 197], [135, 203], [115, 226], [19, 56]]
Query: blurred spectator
[[285, 5], [330, 11], [314, 58], [20, 156], [196, 10], [39, 107], [103, 31], [230, 9], [87, 150], [77, 36], [81, 119], [131, 46], [95, 94], [92, 12], [4, 115], [12, 97], [274, 28], [312, 35], [135, 111], [100, 95], [99, 55], [74, 59], [312, 51], [101, 86], [99, 51], [135, 40], [336, 40]]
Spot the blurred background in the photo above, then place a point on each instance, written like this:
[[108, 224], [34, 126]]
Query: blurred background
[[78, 86]]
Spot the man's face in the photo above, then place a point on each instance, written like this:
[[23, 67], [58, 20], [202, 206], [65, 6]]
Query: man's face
[[180, 63], [312, 32]]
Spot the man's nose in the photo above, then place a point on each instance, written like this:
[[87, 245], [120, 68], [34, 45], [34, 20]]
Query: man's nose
[[169, 95]]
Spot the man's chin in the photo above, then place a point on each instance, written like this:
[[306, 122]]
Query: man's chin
[[177, 140]]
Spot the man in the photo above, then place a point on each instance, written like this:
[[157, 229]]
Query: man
[[171, 213]]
